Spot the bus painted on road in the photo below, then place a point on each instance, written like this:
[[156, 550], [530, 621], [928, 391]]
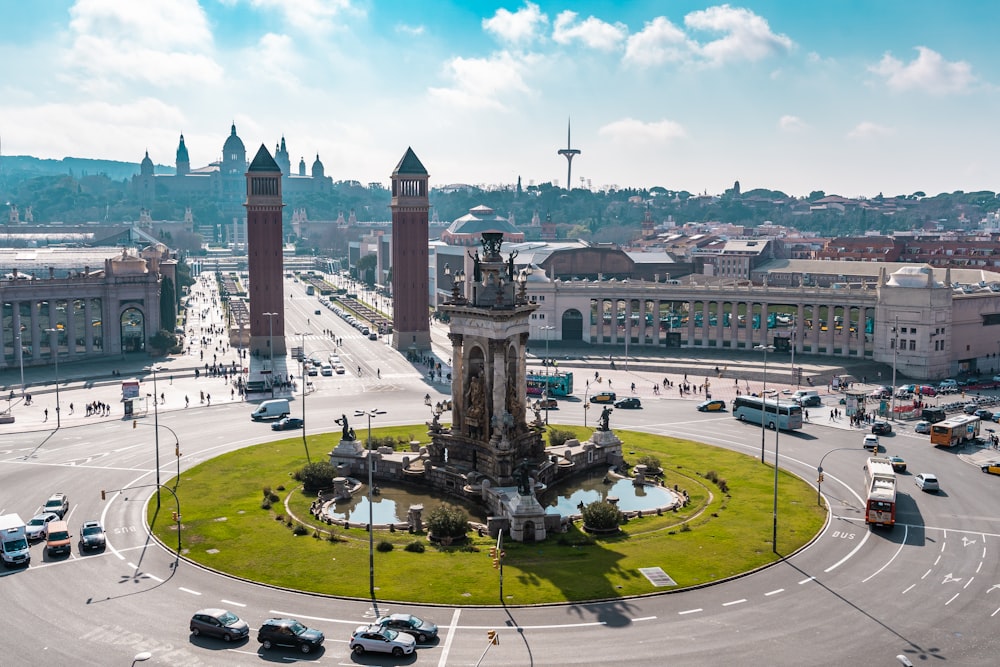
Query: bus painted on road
[[784, 414], [560, 384], [880, 504], [955, 430]]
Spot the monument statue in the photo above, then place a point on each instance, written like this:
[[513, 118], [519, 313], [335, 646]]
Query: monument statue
[[605, 419], [477, 271], [348, 432], [522, 475], [510, 265]]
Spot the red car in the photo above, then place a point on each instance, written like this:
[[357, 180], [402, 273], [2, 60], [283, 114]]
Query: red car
[[927, 390]]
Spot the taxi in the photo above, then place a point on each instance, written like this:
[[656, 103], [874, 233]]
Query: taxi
[[714, 405]]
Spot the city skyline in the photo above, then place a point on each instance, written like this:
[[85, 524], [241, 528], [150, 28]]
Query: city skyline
[[853, 98]]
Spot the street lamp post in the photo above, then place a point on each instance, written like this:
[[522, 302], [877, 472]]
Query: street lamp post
[[895, 348], [304, 381], [270, 344], [545, 395], [819, 473], [763, 399], [774, 509], [55, 356], [371, 515], [156, 434], [586, 405]]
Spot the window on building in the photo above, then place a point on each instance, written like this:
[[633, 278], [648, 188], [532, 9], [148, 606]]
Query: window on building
[[913, 345]]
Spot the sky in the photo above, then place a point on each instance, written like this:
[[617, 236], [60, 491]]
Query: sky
[[851, 97]]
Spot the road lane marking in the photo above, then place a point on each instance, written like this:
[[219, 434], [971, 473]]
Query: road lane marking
[[188, 590], [967, 583], [774, 592], [808, 579], [446, 647], [952, 599], [908, 588], [690, 611], [906, 532], [644, 618], [850, 555], [926, 573], [729, 604], [235, 604]]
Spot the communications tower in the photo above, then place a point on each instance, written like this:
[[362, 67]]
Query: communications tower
[[569, 153]]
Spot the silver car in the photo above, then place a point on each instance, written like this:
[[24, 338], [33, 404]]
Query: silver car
[[38, 526], [381, 640]]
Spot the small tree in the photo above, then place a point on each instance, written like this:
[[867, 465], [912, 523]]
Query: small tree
[[601, 515], [651, 462], [316, 476], [558, 437], [447, 521]]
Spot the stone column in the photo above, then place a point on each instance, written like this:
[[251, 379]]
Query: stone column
[[598, 310], [88, 332], [720, 307], [690, 324], [800, 327], [36, 334], [763, 324], [628, 320], [845, 349], [16, 324], [499, 387], [457, 383], [71, 328], [704, 322]]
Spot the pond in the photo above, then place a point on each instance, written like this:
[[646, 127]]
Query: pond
[[392, 503], [565, 499]]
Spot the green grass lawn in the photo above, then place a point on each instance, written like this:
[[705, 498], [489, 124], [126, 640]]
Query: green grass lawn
[[225, 527]]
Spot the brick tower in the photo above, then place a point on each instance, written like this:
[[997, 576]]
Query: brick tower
[[410, 207], [264, 206]]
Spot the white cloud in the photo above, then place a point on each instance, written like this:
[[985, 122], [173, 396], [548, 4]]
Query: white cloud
[[164, 43], [481, 83], [592, 32], [410, 30], [310, 16], [868, 130], [659, 42], [790, 123], [928, 73], [635, 131], [747, 36], [274, 59], [517, 28]]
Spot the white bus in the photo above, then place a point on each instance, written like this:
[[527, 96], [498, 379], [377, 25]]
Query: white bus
[[880, 505], [771, 412]]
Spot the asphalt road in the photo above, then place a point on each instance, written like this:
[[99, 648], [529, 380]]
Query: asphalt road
[[929, 589]]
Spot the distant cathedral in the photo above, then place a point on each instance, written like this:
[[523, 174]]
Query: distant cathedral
[[225, 179]]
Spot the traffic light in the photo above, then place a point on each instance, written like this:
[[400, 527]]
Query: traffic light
[[177, 451], [493, 552], [821, 478], [493, 637], [176, 516], [496, 563], [134, 423]]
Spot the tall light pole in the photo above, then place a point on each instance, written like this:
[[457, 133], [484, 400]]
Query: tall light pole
[[270, 344], [302, 378], [895, 347], [156, 434], [763, 399], [545, 395], [586, 405], [177, 447], [774, 510], [55, 356], [371, 514], [798, 376]]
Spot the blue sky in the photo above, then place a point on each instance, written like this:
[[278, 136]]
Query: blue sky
[[847, 96]]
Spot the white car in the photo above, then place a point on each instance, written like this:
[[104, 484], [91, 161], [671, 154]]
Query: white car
[[922, 427], [38, 526], [871, 442], [381, 640], [927, 482]]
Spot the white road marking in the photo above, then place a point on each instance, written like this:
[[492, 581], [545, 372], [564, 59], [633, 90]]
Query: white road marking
[[690, 611], [926, 573], [644, 618], [908, 588], [848, 556], [774, 592], [808, 579], [446, 646], [967, 583], [188, 590], [235, 604], [952, 599], [729, 604], [995, 613], [902, 544]]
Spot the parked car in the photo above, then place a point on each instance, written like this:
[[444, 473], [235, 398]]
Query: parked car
[[927, 482], [381, 640], [922, 427], [984, 414], [630, 403], [714, 405], [38, 526], [288, 632], [604, 397], [927, 390], [92, 536], [287, 424], [881, 427], [898, 464], [219, 623], [57, 503], [420, 629], [880, 393], [970, 408], [948, 384], [870, 442]]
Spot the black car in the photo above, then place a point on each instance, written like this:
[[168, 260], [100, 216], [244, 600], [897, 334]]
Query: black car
[[881, 428], [287, 424], [420, 629], [288, 632], [630, 403], [219, 623], [92, 535]]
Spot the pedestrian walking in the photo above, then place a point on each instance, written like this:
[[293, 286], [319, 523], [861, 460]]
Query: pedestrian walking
[[71, 408], [46, 415], [186, 401]]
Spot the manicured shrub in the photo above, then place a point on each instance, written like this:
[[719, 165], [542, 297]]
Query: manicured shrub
[[299, 529], [447, 521], [416, 546], [316, 476], [601, 515], [384, 546], [559, 437], [651, 462]]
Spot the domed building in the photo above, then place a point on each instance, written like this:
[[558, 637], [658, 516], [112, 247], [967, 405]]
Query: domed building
[[469, 229]]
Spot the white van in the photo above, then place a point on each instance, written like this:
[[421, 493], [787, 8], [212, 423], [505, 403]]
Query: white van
[[807, 398], [13, 541], [276, 408]]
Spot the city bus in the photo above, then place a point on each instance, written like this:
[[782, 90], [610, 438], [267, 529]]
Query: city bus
[[560, 384], [880, 504], [786, 414], [955, 431], [310, 290]]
